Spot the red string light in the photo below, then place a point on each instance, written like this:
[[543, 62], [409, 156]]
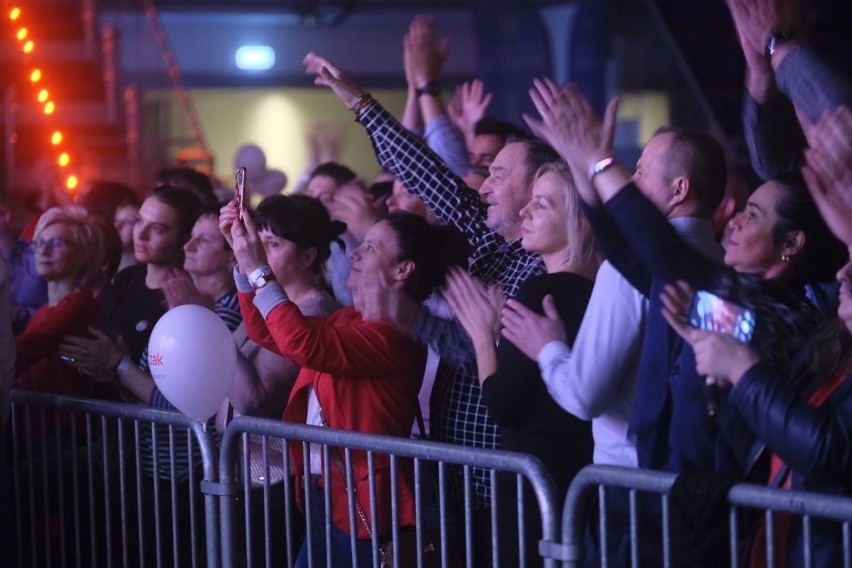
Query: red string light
[[42, 95]]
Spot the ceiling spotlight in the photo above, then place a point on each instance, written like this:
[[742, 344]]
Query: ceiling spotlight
[[255, 57]]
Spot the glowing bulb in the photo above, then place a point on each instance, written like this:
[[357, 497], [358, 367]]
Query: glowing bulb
[[15, 13], [35, 76], [29, 46], [56, 138], [43, 95], [255, 57], [72, 182], [49, 107], [22, 33], [64, 159]]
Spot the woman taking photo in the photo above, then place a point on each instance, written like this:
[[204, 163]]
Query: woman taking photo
[[801, 415], [517, 398], [356, 374]]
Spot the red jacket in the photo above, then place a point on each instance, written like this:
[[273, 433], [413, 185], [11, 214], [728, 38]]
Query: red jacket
[[37, 364], [366, 376]]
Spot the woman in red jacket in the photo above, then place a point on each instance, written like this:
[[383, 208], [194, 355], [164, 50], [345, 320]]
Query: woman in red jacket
[[69, 253], [357, 374]]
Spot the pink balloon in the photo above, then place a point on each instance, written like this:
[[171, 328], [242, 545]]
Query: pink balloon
[[193, 360]]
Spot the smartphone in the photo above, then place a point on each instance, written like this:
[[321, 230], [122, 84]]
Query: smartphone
[[710, 312], [240, 189]]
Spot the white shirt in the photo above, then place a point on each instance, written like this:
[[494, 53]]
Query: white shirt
[[314, 418], [596, 378]]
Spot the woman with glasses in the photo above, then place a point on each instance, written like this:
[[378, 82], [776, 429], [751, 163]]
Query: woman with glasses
[[69, 250]]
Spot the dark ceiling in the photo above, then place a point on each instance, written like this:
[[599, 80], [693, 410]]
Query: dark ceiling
[[306, 6]]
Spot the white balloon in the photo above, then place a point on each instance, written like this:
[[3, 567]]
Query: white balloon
[[193, 360]]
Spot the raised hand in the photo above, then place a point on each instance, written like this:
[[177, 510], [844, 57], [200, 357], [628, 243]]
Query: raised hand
[[180, 290], [756, 20], [468, 106], [425, 58], [228, 215], [246, 243], [530, 331], [327, 75], [828, 172], [473, 307], [354, 205], [569, 124], [760, 77]]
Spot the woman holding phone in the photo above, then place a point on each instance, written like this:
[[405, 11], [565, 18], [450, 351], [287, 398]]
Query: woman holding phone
[[355, 374]]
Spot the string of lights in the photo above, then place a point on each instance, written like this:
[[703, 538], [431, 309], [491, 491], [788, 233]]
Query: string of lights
[[39, 84]]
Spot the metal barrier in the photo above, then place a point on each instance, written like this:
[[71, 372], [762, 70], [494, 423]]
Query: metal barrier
[[86, 493], [656, 487], [74, 466], [256, 438], [813, 508], [94, 483]]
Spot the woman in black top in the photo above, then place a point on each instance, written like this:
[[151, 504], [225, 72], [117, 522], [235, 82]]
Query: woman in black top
[[512, 387]]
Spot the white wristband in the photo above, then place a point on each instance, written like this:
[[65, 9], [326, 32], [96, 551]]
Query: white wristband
[[600, 166], [261, 276]]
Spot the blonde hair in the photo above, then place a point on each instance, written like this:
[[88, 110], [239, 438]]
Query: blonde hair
[[582, 249], [89, 239]]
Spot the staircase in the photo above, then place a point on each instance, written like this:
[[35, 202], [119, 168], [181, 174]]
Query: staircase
[[88, 114]]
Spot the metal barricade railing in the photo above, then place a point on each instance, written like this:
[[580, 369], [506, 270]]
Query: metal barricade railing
[[90, 483], [251, 443], [590, 483], [86, 492], [805, 509], [808, 509]]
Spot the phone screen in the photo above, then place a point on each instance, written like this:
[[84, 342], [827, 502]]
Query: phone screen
[[240, 188], [712, 313]]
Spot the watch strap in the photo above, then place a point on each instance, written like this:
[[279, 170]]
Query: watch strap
[[430, 88], [775, 40], [261, 276]]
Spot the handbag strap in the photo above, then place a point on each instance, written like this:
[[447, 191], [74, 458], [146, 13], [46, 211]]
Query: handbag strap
[[338, 461]]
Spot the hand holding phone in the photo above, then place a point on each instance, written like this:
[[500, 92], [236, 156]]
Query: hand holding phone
[[712, 313], [240, 189]]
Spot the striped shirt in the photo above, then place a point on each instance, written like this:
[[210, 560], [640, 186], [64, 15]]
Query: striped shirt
[[228, 309]]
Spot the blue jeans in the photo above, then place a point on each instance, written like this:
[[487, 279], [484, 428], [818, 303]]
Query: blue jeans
[[341, 545]]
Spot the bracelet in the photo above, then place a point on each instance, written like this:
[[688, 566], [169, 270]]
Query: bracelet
[[261, 276], [121, 366], [600, 166], [361, 102]]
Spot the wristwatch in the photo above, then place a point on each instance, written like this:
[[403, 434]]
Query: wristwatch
[[260, 277], [776, 40], [430, 88]]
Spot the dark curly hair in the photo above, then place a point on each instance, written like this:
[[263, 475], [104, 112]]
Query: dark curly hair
[[432, 248], [302, 220], [823, 254]]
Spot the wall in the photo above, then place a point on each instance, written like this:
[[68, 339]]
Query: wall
[[279, 121]]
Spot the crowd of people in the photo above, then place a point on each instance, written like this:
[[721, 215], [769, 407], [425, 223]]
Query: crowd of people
[[493, 289]]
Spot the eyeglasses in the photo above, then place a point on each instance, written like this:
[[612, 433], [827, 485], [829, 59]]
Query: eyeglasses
[[53, 243]]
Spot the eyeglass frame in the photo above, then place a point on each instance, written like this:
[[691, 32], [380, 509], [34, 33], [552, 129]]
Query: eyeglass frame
[[54, 243]]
